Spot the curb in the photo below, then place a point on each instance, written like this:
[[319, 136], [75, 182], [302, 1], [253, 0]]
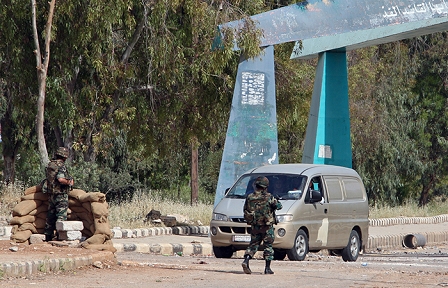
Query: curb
[[27, 268], [196, 249], [379, 242], [181, 249], [396, 241], [145, 232], [5, 231], [408, 220]]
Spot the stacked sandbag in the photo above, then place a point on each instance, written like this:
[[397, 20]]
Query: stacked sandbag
[[92, 209], [29, 215], [80, 211]]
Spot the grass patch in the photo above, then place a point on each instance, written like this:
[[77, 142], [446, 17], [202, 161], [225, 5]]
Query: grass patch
[[132, 214], [410, 209], [9, 197]]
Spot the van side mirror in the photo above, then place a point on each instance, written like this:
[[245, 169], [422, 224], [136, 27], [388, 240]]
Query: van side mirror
[[316, 196], [227, 190]]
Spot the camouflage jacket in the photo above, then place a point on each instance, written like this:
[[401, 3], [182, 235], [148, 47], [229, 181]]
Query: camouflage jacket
[[54, 170], [259, 208]]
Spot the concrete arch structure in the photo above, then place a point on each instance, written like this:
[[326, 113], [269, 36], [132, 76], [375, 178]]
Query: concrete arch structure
[[326, 29]]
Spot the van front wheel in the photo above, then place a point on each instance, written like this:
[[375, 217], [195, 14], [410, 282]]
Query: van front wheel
[[300, 249], [351, 252]]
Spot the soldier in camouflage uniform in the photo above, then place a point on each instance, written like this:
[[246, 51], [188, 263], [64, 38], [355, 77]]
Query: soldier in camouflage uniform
[[259, 211], [57, 185]]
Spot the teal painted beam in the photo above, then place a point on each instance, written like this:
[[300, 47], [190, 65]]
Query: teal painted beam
[[327, 139]]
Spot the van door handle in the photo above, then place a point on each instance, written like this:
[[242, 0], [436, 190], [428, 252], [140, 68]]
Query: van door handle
[[325, 210]]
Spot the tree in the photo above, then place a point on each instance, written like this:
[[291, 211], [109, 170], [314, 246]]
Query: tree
[[380, 89], [16, 74], [430, 111], [42, 61], [294, 87], [109, 82], [190, 81]]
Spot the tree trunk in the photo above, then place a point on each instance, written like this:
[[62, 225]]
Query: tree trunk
[[423, 197], [9, 170], [427, 186], [194, 173], [42, 70]]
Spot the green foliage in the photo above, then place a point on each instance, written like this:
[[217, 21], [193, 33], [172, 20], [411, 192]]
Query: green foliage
[[430, 111], [112, 181], [86, 175], [28, 163], [294, 85], [209, 166], [381, 148]]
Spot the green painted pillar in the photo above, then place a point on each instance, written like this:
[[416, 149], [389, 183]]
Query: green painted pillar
[[327, 139]]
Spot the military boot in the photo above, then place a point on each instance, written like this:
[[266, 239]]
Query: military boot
[[245, 264], [48, 238], [267, 269]]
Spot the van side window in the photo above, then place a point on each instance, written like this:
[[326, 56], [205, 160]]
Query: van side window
[[353, 189], [334, 189]]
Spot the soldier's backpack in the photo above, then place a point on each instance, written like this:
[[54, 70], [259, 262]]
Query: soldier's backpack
[[51, 172]]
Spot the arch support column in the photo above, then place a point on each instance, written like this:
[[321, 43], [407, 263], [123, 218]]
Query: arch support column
[[327, 139]]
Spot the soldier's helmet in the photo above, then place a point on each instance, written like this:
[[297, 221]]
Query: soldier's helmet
[[262, 182], [62, 151]]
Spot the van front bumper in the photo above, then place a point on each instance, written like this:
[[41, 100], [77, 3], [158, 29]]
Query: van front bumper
[[237, 235]]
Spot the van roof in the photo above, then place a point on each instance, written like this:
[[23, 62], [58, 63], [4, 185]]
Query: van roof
[[302, 168]]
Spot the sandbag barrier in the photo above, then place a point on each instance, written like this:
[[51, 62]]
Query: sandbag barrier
[[29, 217]]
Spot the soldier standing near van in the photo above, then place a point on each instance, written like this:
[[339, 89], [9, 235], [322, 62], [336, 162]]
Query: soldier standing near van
[[259, 211], [57, 185]]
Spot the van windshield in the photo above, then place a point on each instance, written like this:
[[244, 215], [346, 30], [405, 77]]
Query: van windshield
[[283, 186]]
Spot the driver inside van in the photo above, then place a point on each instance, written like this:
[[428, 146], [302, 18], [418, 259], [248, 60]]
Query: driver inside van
[[278, 188], [315, 186]]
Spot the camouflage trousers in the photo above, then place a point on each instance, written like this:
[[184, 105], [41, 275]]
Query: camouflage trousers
[[57, 211], [260, 234]]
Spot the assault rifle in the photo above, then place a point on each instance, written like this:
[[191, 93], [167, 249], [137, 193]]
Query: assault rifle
[[69, 178], [274, 209]]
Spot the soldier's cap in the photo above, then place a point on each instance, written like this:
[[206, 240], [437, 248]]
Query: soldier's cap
[[62, 151], [262, 182]]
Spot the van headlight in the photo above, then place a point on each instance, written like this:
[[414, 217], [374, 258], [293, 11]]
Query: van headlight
[[219, 217], [284, 218]]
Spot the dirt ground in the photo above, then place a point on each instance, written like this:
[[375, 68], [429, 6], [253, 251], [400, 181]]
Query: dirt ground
[[426, 267], [16, 252]]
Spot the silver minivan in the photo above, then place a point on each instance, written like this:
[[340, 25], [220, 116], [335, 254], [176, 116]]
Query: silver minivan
[[324, 207]]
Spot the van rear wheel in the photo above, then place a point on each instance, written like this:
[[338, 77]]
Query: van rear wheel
[[300, 249], [223, 252], [351, 252]]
